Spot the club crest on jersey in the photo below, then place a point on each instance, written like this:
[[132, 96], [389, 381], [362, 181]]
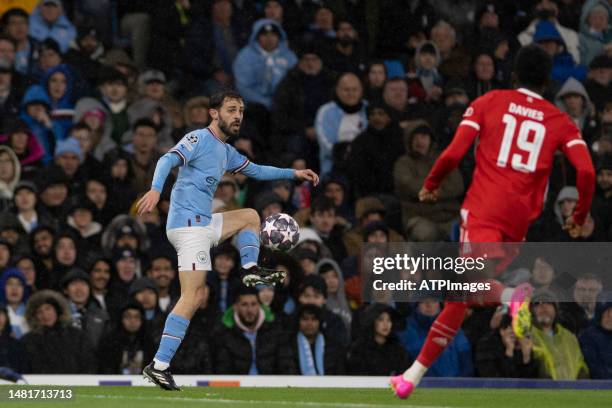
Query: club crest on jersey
[[468, 112], [202, 257]]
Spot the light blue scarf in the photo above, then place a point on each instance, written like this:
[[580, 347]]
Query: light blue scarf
[[307, 363]]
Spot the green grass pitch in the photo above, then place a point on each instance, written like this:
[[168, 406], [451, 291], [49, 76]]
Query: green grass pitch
[[213, 397]]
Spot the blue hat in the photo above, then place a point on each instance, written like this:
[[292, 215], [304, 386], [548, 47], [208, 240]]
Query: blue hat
[[546, 31], [70, 145]]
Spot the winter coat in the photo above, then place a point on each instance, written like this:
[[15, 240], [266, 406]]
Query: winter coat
[[106, 142], [19, 325], [596, 346], [591, 44], [62, 110], [491, 360], [334, 125], [586, 121], [455, 360], [371, 160], [62, 30], [257, 72], [47, 347], [12, 354], [44, 135], [558, 356], [567, 35], [93, 320], [34, 151], [6, 188], [337, 303], [234, 353], [334, 356]]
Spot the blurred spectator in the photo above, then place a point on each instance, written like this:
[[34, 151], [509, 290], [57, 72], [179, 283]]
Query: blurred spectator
[[374, 81], [99, 278], [163, 273], [501, 354], [35, 112], [376, 351], [320, 28], [602, 202], [12, 354], [169, 22], [24, 144], [81, 222], [573, 99], [224, 278], [374, 151], [595, 31], [195, 116], [135, 26], [579, 314], [596, 341], [599, 81], [86, 52], [426, 83], [456, 360], [424, 222], [314, 352], [128, 347], [51, 335], [42, 243], [482, 76], [26, 208], [546, 11], [144, 291], [25, 263], [14, 295], [112, 85], [92, 117], [395, 95], [555, 349], [313, 291], [323, 221], [296, 100], [340, 121], [86, 314], [336, 301], [10, 171], [49, 21], [262, 64], [12, 84], [249, 342], [346, 52], [16, 25], [145, 155], [5, 253], [455, 61], [120, 174]]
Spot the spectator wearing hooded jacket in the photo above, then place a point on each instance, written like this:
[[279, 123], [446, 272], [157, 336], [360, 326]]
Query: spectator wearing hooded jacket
[[426, 81], [548, 38], [35, 112], [14, 294], [10, 173], [373, 152], [596, 343], [49, 20], [599, 82], [595, 30], [336, 301], [51, 334], [376, 350], [261, 65], [456, 360], [25, 145], [12, 354], [424, 222], [574, 100], [340, 121]]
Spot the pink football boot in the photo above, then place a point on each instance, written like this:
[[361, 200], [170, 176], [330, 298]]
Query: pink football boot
[[402, 388]]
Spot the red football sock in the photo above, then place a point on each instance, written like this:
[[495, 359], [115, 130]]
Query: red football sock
[[442, 332]]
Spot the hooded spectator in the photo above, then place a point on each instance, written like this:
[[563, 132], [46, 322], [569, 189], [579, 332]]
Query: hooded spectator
[[374, 151], [596, 343], [262, 64], [595, 31], [51, 334], [145, 292], [376, 350], [119, 172], [95, 115], [314, 352], [35, 112], [424, 222], [24, 144], [340, 121], [374, 80], [14, 294], [49, 20], [54, 189], [336, 302], [428, 86], [59, 84], [128, 347], [574, 100], [10, 173]]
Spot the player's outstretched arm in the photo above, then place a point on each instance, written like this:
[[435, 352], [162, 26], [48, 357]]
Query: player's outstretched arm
[[578, 155], [259, 172], [308, 175], [149, 201]]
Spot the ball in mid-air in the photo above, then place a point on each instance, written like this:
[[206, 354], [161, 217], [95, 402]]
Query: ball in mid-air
[[280, 232]]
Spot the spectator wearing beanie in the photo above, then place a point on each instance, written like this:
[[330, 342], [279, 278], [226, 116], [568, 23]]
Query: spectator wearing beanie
[[51, 334], [68, 158], [314, 352], [376, 349], [373, 153], [54, 189], [85, 52], [124, 262], [86, 314], [596, 343], [424, 222], [145, 292], [128, 347]]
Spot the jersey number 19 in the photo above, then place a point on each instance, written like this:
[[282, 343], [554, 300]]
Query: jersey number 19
[[520, 162]]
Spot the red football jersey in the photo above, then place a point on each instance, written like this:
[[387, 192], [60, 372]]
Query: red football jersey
[[518, 134]]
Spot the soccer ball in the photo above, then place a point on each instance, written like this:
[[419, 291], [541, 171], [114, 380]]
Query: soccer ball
[[279, 232]]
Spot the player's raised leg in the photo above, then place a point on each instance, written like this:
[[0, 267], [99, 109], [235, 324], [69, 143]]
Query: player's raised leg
[[245, 224]]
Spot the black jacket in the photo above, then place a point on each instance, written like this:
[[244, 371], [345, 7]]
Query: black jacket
[[334, 358], [366, 357], [491, 360]]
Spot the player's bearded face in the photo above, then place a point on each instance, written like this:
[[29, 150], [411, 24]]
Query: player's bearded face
[[230, 117]]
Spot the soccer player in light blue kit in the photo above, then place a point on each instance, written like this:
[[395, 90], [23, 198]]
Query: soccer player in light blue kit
[[204, 156]]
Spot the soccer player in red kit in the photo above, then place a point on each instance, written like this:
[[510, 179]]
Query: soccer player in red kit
[[518, 134]]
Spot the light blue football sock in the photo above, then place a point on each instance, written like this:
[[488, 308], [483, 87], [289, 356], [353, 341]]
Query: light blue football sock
[[248, 245], [173, 334]]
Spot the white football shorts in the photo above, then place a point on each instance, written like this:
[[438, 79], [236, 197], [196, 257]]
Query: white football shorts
[[192, 244]]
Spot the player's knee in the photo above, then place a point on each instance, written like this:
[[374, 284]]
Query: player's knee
[[251, 218]]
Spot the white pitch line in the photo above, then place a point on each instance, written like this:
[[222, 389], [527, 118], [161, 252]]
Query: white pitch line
[[264, 402]]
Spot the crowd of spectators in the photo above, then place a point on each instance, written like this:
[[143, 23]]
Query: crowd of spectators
[[365, 92]]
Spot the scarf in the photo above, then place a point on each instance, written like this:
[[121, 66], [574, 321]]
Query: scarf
[[307, 362]]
